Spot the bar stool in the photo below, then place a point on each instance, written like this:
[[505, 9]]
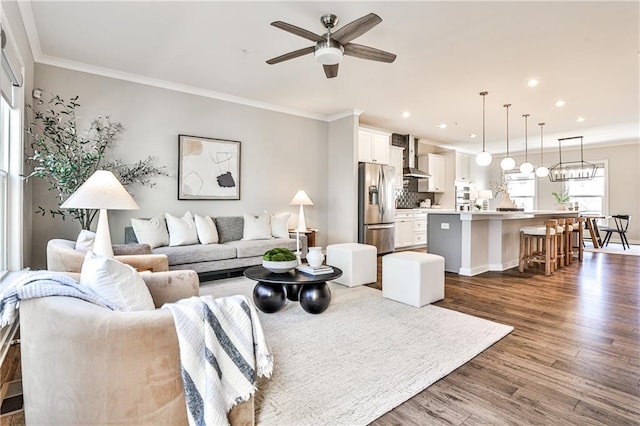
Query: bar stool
[[538, 244], [568, 245], [578, 232], [560, 243]]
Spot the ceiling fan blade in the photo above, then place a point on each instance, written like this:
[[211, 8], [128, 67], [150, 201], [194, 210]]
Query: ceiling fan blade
[[291, 55], [356, 28], [331, 70], [297, 31], [366, 52]]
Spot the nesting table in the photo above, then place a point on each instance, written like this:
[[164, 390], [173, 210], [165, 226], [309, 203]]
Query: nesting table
[[272, 290]]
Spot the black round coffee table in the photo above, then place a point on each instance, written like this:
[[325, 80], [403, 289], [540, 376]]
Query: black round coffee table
[[272, 290]]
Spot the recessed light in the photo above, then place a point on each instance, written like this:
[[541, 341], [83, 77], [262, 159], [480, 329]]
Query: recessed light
[[406, 114], [560, 103], [580, 119], [442, 125], [473, 135], [532, 83]]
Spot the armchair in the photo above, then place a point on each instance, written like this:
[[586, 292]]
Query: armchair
[[63, 257], [84, 364]]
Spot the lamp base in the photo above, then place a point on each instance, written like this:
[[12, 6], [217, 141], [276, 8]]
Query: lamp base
[[302, 226], [102, 244]]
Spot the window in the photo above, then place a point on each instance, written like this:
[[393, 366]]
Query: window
[[589, 194], [522, 189], [4, 182]]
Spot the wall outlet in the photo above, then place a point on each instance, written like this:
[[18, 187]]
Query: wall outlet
[[444, 226]]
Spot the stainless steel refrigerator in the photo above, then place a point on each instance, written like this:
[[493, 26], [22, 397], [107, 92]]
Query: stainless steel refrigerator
[[376, 206]]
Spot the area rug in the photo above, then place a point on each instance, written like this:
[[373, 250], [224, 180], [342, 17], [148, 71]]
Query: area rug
[[615, 248], [360, 358]]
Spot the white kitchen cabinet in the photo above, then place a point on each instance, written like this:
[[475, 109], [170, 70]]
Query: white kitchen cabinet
[[419, 228], [404, 231], [395, 160], [373, 146], [434, 164], [462, 167]]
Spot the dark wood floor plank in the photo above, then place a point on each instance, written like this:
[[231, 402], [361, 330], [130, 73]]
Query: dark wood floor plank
[[572, 358]]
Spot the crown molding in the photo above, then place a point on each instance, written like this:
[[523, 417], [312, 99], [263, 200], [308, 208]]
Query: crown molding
[[34, 41], [347, 113]]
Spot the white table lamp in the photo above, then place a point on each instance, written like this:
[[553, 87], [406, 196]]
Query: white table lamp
[[101, 191], [302, 199], [485, 195]]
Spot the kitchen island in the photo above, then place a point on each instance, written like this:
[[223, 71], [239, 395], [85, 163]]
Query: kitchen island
[[477, 242]]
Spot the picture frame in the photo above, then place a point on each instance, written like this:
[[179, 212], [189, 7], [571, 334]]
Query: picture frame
[[208, 168]]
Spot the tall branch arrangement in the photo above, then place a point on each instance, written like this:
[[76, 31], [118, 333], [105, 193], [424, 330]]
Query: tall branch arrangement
[[65, 158]]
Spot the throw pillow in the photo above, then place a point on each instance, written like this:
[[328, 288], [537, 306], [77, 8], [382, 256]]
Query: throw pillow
[[182, 230], [151, 231], [85, 240], [118, 283], [207, 231], [256, 228], [280, 225]]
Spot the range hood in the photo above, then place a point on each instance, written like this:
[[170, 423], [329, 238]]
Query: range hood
[[410, 159]]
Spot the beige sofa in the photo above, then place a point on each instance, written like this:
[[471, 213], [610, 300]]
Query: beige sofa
[[62, 256], [84, 364]]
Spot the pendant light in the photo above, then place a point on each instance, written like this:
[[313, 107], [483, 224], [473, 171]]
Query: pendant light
[[572, 170], [541, 171], [507, 162], [526, 167], [484, 158]]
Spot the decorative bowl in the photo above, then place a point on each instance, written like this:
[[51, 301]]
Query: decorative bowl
[[279, 267]]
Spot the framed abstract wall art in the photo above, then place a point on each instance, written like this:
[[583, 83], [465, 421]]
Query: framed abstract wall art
[[208, 169]]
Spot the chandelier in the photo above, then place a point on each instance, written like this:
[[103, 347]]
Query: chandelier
[[572, 170]]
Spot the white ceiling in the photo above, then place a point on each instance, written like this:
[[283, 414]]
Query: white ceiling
[[586, 53]]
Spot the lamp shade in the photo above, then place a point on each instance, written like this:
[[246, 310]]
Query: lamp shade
[[301, 199], [485, 194], [101, 191]]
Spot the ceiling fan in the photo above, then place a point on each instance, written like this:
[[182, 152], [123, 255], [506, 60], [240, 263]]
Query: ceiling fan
[[330, 47]]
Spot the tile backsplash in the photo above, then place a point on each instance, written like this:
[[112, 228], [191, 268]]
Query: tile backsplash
[[408, 196]]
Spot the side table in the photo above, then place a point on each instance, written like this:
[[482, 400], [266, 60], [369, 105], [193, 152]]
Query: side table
[[311, 236]]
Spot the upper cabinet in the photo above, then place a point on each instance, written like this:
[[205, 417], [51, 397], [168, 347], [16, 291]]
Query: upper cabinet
[[395, 160], [373, 146], [434, 164], [462, 167]]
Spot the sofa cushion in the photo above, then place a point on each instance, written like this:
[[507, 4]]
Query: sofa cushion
[[182, 230], [207, 232], [280, 225], [229, 228], [116, 282], [85, 240], [251, 248], [196, 253], [151, 231], [256, 227]]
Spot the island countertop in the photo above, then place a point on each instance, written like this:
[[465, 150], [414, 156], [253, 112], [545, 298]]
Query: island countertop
[[481, 241]]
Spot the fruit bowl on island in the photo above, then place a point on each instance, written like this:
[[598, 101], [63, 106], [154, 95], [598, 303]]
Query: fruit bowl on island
[[279, 260]]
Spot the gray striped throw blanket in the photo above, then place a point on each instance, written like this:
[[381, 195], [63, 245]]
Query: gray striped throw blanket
[[222, 351], [41, 284]]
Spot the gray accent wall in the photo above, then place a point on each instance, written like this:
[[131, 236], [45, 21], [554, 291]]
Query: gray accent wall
[[280, 153]]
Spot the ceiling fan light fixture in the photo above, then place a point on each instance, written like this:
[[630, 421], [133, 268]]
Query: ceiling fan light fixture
[[328, 52]]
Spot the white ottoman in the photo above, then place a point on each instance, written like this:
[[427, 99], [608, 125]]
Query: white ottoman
[[413, 278], [357, 261]]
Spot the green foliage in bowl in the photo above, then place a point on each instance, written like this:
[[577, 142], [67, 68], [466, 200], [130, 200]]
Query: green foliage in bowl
[[279, 254]]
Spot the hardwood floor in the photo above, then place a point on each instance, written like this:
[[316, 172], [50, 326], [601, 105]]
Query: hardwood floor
[[573, 357]]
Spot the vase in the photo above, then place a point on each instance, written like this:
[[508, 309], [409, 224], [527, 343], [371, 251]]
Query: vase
[[315, 256], [506, 202]]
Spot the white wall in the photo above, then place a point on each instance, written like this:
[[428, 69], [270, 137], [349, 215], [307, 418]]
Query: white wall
[[280, 153], [623, 187], [342, 181]]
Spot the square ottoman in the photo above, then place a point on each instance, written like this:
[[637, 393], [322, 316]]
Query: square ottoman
[[357, 261], [413, 278]]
